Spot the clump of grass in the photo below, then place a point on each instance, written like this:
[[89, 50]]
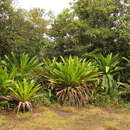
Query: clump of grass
[[2, 120], [110, 125], [24, 115]]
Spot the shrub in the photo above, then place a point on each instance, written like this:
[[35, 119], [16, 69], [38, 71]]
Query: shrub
[[23, 93], [109, 68], [45, 97], [71, 79], [5, 81], [22, 64]]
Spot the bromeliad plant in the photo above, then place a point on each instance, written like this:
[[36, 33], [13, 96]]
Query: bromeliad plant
[[109, 67], [70, 79], [22, 64], [5, 81], [23, 93]]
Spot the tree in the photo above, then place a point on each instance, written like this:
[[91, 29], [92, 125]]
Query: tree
[[5, 20], [63, 32], [22, 30], [29, 30], [92, 24]]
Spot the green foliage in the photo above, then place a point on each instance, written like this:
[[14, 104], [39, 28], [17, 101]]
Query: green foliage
[[128, 60], [109, 67], [92, 24], [46, 97], [104, 100], [6, 12], [109, 89], [22, 64], [108, 64], [29, 28], [24, 92], [118, 95], [49, 65], [72, 71], [5, 80], [22, 30], [77, 31], [69, 79]]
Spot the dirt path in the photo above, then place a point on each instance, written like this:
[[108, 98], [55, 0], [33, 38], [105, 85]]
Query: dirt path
[[68, 118]]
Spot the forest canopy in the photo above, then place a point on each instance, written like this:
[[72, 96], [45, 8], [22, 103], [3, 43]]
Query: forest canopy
[[87, 26]]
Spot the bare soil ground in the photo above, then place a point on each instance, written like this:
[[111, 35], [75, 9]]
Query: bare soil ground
[[68, 118]]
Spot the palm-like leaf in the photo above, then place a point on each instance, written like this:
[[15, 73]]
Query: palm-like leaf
[[5, 80], [128, 60], [70, 77], [73, 71], [108, 64], [109, 67], [24, 92], [23, 64]]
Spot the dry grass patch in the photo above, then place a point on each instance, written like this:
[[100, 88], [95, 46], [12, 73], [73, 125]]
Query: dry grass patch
[[111, 125], [2, 120], [69, 118]]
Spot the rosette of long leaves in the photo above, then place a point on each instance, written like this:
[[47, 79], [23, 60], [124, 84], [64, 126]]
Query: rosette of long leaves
[[71, 78], [109, 66], [22, 64], [23, 92], [5, 81]]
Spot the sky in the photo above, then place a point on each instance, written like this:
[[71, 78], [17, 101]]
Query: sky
[[55, 5]]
